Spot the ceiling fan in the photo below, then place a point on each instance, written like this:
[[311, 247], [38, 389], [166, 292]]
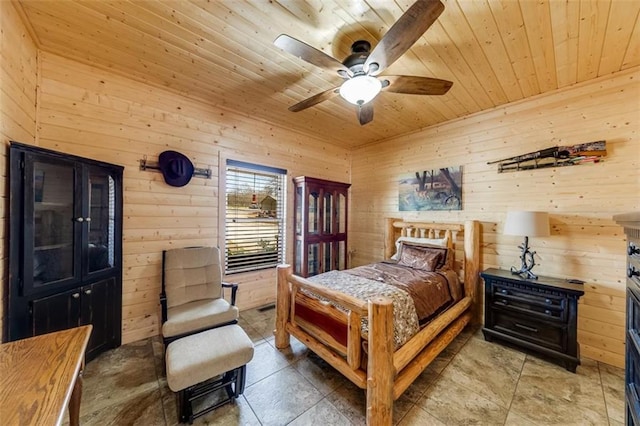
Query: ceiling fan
[[360, 70]]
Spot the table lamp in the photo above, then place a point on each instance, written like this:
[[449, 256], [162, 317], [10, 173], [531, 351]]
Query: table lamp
[[526, 224]]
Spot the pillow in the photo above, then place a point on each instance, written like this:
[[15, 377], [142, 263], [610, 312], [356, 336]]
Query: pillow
[[428, 258], [439, 242]]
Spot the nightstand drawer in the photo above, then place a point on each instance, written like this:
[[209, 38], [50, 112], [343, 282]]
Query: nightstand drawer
[[527, 300], [530, 330]]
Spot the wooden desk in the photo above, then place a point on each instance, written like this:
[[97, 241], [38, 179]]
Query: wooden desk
[[40, 375]]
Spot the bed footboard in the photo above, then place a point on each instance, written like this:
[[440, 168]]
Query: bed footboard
[[378, 374]]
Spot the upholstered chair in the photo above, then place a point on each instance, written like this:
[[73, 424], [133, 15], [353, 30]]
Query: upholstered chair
[[192, 297]]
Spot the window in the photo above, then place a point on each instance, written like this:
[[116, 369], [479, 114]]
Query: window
[[254, 216]]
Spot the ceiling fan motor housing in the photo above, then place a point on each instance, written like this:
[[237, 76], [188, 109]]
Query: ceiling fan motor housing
[[360, 50]]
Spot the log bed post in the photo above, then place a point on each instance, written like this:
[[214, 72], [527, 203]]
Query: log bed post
[[380, 371], [472, 266], [390, 239], [283, 306]]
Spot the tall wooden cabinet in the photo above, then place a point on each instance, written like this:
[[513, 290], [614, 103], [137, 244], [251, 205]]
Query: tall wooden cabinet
[[320, 210], [631, 224], [65, 246]]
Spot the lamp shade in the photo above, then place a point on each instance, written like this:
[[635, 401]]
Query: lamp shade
[[527, 224], [360, 89]]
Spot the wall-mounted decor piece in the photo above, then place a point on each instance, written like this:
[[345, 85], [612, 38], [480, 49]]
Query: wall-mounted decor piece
[[590, 152], [176, 168], [438, 189]]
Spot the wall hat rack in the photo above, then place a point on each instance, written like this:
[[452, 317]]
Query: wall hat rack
[[175, 167]]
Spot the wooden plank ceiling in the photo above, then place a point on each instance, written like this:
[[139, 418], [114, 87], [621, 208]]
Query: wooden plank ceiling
[[494, 51]]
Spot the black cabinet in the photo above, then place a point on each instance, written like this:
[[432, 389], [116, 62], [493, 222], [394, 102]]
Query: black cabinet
[[320, 213], [94, 304], [631, 224], [540, 315], [65, 259]]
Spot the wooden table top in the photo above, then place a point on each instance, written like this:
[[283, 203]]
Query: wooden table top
[[37, 376]]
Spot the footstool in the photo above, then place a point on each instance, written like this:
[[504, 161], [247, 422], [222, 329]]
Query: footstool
[[202, 363]]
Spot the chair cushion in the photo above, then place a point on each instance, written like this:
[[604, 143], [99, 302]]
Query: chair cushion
[[192, 273], [198, 315], [199, 357]]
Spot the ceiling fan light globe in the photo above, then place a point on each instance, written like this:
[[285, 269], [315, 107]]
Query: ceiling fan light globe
[[360, 89]]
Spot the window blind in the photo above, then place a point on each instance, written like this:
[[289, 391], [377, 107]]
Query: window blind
[[254, 216]]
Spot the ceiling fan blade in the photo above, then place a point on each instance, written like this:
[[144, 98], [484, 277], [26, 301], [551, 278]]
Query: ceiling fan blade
[[403, 34], [308, 53], [365, 113], [314, 100], [414, 85]]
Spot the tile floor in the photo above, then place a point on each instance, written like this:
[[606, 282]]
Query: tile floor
[[471, 382]]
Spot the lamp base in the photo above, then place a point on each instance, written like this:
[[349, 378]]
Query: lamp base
[[527, 260], [524, 273]]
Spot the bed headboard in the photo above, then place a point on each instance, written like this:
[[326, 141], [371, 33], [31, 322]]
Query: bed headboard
[[463, 240]]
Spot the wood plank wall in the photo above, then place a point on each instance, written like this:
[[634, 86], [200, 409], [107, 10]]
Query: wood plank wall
[[584, 244], [18, 79], [96, 114]]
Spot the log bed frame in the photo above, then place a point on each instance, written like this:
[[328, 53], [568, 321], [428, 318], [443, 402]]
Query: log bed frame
[[384, 373]]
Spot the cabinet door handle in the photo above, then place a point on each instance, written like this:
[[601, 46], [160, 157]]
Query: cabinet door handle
[[87, 291], [548, 312], [632, 249], [526, 327], [87, 219], [79, 219], [632, 271], [75, 295], [548, 301]]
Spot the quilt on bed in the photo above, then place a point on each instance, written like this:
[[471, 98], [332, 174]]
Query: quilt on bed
[[417, 295]]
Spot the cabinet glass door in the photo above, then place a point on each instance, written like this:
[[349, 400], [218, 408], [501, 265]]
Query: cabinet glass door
[[297, 268], [313, 259], [328, 213], [101, 220], [51, 237], [341, 208], [313, 212], [299, 203], [328, 263]]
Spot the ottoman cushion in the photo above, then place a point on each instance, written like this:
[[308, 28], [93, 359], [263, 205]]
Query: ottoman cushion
[[199, 357]]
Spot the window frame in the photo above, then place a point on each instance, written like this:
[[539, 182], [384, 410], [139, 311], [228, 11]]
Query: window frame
[[263, 173]]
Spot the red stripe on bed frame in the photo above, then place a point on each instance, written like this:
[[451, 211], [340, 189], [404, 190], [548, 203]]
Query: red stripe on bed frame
[[331, 326]]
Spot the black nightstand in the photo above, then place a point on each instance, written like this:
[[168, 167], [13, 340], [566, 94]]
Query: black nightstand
[[540, 315]]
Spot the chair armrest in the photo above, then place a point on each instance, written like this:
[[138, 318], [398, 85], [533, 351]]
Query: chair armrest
[[163, 306], [234, 290]]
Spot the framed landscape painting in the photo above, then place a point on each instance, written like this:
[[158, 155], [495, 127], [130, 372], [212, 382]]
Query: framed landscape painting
[[437, 189]]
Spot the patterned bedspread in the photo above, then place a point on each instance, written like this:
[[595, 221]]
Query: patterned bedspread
[[416, 295]]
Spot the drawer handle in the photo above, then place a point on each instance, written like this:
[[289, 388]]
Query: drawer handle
[[548, 301], [632, 271], [526, 327], [548, 312], [633, 249], [503, 291]]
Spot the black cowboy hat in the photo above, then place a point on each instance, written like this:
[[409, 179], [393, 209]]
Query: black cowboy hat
[[176, 168]]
